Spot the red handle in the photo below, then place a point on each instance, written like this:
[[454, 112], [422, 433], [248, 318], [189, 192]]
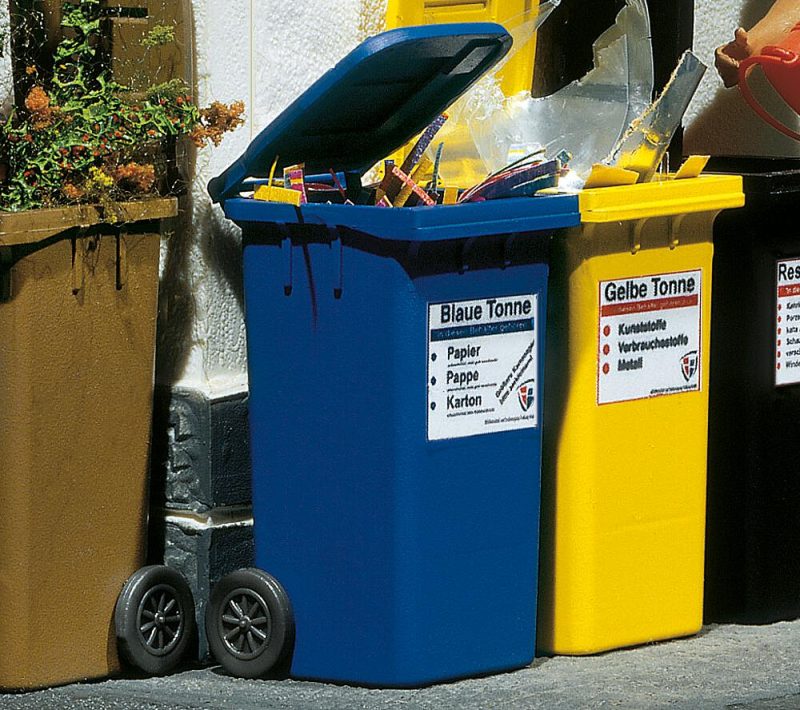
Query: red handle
[[745, 67]]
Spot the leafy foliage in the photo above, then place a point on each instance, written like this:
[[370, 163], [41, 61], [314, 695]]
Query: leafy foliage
[[82, 137], [159, 36]]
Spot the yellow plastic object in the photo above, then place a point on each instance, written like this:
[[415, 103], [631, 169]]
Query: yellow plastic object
[[623, 483], [610, 176], [517, 74], [267, 193], [450, 196], [692, 167]]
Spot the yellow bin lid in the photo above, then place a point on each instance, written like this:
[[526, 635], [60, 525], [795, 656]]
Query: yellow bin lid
[[661, 198]]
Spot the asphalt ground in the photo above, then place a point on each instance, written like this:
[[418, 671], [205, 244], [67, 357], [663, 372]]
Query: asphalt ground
[[751, 667]]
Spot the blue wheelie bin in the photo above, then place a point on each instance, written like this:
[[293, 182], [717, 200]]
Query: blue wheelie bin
[[395, 364]]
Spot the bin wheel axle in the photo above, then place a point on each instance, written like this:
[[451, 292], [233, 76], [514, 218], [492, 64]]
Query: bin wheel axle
[[159, 619], [246, 623]]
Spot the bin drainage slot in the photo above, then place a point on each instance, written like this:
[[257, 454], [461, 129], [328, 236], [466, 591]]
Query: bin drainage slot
[[5, 274], [338, 257], [636, 228], [286, 250], [675, 225]]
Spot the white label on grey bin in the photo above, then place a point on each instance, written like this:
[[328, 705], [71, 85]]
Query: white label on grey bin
[[483, 366], [787, 323], [649, 339]]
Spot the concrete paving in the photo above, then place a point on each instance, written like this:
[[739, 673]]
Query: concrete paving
[[748, 667]]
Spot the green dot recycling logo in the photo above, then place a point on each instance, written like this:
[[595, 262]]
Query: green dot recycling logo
[[689, 364], [526, 394]]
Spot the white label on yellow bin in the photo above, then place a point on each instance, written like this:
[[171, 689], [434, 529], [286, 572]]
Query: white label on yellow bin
[[787, 323], [649, 336], [483, 366]]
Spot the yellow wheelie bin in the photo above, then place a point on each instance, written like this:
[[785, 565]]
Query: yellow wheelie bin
[[624, 461], [461, 164], [517, 72]]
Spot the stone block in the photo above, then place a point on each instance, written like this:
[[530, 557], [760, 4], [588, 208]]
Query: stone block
[[204, 552], [201, 454]]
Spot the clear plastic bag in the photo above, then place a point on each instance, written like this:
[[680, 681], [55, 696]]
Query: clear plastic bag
[[587, 118]]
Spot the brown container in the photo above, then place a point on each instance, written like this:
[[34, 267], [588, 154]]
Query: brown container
[[77, 338]]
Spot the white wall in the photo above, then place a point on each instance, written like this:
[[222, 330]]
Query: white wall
[[265, 52], [718, 121], [6, 83]]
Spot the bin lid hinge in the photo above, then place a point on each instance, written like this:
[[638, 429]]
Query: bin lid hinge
[[6, 264], [121, 258], [286, 253], [466, 248], [507, 251], [338, 258], [675, 226], [636, 227], [79, 265]]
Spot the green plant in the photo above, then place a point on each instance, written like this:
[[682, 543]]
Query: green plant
[[82, 137], [159, 36]]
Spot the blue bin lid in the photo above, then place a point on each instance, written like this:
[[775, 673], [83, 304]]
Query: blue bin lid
[[374, 101]]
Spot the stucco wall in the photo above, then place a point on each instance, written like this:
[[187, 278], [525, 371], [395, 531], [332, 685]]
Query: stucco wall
[[265, 53], [6, 85], [718, 121]]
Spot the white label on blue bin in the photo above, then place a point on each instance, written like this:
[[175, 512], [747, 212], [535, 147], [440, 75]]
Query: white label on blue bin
[[483, 366], [649, 336], [787, 323]]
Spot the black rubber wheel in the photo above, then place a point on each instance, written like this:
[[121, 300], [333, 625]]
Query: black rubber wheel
[[154, 619], [249, 623]]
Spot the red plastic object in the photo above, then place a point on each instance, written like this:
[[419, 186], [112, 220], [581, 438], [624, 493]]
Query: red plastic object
[[781, 64]]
